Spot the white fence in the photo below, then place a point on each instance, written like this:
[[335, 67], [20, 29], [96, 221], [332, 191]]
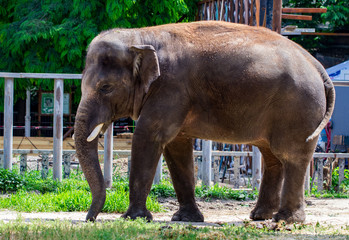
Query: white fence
[[58, 152]]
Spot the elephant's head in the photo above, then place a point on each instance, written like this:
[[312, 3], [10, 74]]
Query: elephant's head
[[115, 82]]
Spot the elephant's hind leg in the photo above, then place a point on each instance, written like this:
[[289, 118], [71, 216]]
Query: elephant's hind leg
[[296, 160], [269, 193], [292, 198], [179, 157]]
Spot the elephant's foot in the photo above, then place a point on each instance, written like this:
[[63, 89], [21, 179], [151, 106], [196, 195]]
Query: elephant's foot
[[188, 214], [290, 216], [134, 213], [91, 216], [262, 213]]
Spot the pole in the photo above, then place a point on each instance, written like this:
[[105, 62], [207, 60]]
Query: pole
[[277, 8], [8, 123], [258, 11], [158, 173], [256, 168], [206, 162], [58, 129], [307, 179], [27, 114], [108, 156]]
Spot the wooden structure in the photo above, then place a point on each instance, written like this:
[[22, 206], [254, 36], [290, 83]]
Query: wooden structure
[[238, 11], [266, 13]]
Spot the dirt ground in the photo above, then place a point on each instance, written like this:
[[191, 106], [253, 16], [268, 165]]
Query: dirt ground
[[325, 211]]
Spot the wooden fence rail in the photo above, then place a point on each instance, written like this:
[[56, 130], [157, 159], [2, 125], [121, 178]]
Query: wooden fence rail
[[58, 152]]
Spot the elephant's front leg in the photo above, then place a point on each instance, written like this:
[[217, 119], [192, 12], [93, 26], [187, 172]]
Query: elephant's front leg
[[179, 157], [144, 159]]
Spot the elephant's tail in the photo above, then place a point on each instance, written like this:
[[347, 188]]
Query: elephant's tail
[[330, 100]]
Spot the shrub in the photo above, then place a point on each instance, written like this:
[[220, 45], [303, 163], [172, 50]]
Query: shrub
[[10, 181]]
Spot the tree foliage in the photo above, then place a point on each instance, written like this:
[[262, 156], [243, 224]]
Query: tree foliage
[[337, 15], [51, 36], [336, 19]]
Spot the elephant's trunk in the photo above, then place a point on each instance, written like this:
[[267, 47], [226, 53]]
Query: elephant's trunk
[[87, 153]]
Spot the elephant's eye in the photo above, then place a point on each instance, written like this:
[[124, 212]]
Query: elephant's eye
[[106, 88]]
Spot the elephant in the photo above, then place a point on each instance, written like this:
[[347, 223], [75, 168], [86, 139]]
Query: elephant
[[212, 80]]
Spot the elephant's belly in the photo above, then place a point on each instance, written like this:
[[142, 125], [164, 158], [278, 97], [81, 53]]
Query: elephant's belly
[[229, 131]]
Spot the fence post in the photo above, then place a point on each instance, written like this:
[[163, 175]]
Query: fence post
[[8, 123], [23, 163], [256, 168], [237, 172], [158, 173], [215, 170], [27, 114], [44, 165], [307, 179], [58, 129], [320, 174], [341, 163], [206, 162], [108, 156], [66, 164], [128, 165]]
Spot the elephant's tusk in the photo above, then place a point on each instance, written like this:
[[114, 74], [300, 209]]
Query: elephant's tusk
[[95, 132], [73, 137]]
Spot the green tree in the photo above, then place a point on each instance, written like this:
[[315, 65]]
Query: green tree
[[51, 36], [336, 19]]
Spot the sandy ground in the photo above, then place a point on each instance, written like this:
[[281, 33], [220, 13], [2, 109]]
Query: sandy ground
[[325, 211]]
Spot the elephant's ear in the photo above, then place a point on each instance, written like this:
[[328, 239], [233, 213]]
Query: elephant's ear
[[146, 64]]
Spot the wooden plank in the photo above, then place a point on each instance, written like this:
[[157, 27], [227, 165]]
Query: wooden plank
[[258, 9], [297, 17], [304, 10], [326, 34], [236, 10], [251, 13], [8, 123], [231, 11], [221, 13], [277, 5], [265, 18], [241, 11], [246, 11], [205, 1], [40, 75]]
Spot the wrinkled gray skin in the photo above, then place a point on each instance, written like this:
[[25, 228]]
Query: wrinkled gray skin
[[211, 80]]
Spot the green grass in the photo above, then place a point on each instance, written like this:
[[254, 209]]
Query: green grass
[[30, 193], [73, 194], [140, 229]]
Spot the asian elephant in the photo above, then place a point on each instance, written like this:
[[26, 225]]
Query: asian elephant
[[212, 80]]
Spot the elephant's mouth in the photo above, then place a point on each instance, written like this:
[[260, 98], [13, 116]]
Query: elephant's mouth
[[96, 131]]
